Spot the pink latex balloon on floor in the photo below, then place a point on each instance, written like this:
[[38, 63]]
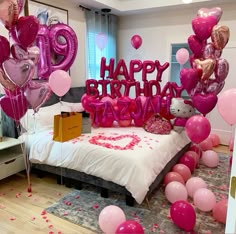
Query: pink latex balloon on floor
[[182, 56], [183, 215], [130, 227], [193, 184], [60, 82], [175, 191], [204, 199], [188, 161], [183, 170], [136, 41], [206, 145], [219, 211], [214, 139], [173, 176], [210, 158], [110, 218], [226, 107], [198, 128]]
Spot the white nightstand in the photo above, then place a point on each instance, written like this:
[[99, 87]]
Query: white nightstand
[[11, 157]]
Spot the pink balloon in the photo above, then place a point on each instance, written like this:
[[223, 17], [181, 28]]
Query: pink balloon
[[101, 40], [183, 170], [206, 145], [226, 107], [67, 48], [60, 82], [110, 218], [195, 45], [4, 49], [210, 158], [182, 56], [204, 199], [175, 191], [183, 215], [188, 161], [221, 69], [37, 94], [197, 128], [193, 184], [136, 41], [130, 227], [219, 211], [173, 176], [194, 155], [18, 52], [215, 139], [196, 149]]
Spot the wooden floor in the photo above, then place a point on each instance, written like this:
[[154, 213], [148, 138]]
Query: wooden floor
[[22, 212]]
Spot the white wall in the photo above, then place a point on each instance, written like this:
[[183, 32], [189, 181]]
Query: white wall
[[77, 22], [158, 30]]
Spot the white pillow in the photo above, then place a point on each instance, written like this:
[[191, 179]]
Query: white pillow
[[43, 119], [74, 106]]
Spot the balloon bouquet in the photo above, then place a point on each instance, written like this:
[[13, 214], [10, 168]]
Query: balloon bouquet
[[27, 53]]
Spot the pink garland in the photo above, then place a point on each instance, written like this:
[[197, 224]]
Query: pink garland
[[96, 141]]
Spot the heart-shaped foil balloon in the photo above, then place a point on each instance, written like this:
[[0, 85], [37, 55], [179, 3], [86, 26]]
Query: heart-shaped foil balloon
[[196, 45], [221, 69], [19, 71], [213, 87], [18, 52], [220, 36], [34, 53], [9, 12], [4, 49], [36, 94], [6, 83], [207, 66], [205, 12]]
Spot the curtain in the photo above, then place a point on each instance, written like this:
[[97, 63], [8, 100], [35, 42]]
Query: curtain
[[101, 40]]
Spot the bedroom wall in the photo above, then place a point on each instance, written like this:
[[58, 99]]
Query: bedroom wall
[[159, 29], [77, 22]]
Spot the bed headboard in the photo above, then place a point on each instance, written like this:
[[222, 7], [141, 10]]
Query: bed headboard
[[73, 95]]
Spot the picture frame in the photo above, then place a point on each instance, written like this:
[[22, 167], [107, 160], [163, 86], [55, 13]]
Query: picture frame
[[46, 13]]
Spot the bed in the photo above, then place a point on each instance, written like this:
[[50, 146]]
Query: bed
[[127, 160]]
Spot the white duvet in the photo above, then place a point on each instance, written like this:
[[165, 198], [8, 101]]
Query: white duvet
[[130, 157]]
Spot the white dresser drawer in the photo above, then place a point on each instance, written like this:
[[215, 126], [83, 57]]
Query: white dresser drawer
[[12, 166]]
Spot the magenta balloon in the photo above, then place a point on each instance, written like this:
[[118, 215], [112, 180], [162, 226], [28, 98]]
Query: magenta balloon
[[67, 48], [37, 94], [183, 215], [18, 52], [226, 107], [60, 82], [14, 106], [130, 227], [136, 41], [4, 49], [43, 43], [188, 161], [110, 218], [182, 56], [197, 128], [195, 45]]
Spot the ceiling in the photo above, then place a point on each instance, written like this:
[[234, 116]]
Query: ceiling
[[124, 7]]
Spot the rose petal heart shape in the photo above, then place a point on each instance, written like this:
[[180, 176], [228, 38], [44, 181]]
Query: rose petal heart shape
[[14, 106], [202, 27], [18, 71], [18, 52], [4, 49], [6, 83], [9, 12], [189, 78], [215, 11], [220, 36], [207, 66], [26, 30], [221, 69], [196, 45], [204, 103], [37, 94], [121, 142]]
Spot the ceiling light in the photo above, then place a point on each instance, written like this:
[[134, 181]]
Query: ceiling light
[[186, 1]]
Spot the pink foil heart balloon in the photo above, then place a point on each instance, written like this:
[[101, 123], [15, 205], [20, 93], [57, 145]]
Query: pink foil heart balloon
[[14, 106], [220, 36], [9, 12], [205, 12], [37, 94], [6, 83], [189, 78], [214, 87], [204, 103], [26, 30], [34, 53], [4, 49], [207, 66], [18, 52], [18, 71], [202, 27], [195, 45], [221, 69]]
